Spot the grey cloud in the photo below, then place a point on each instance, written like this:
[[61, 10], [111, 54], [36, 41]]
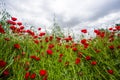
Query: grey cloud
[[70, 23], [106, 9]]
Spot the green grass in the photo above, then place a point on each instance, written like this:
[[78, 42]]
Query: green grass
[[16, 62]]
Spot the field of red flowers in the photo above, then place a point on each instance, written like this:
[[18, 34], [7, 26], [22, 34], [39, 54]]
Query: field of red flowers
[[26, 55]]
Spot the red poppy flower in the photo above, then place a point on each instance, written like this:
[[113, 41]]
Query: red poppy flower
[[117, 27], [84, 30], [110, 71], [6, 73], [102, 34], [49, 52], [7, 39], [97, 32], [83, 41], [67, 46], [86, 45], [36, 41], [21, 27], [39, 29], [1, 30], [74, 49], [11, 22], [13, 18], [17, 46], [51, 38], [93, 63], [42, 34], [88, 58], [60, 60], [111, 28], [51, 46], [77, 61], [32, 76], [2, 63], [19, 23], [35, 37], [61, 55], [13, 27], [111, 47], [35, 58], [27, 75], [44, 78], [43, 72]]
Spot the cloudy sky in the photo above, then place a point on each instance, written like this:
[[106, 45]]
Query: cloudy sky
[[74, 14]]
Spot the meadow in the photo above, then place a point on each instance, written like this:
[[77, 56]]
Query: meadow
[[27, 55]]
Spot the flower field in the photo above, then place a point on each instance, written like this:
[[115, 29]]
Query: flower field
[[27, 55]]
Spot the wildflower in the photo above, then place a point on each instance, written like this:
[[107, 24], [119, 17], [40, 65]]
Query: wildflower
[[11, 22], [32, 76], [49, 52], [60, 60], [36, 41], [111, 47], [83, 41], [111, 28], [110, 71], [97, 32], [6, 72], [19, 23], [74, 49], [17, 46], [35, 37], [86, 45], [88, 58], [42, 34], [7, 39], [61, 55], [67, 46], [21, 27], [117, 27], [50, 46], [43, 72], [102, 34], [84, 30], [1, 30], [93, 63], [51, 38], [39, 29], [13, 27], [2, 63], [35, 58], [77, 61], [27, 74], [13, 18]]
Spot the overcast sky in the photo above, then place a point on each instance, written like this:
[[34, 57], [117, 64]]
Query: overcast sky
[[74, 14]]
